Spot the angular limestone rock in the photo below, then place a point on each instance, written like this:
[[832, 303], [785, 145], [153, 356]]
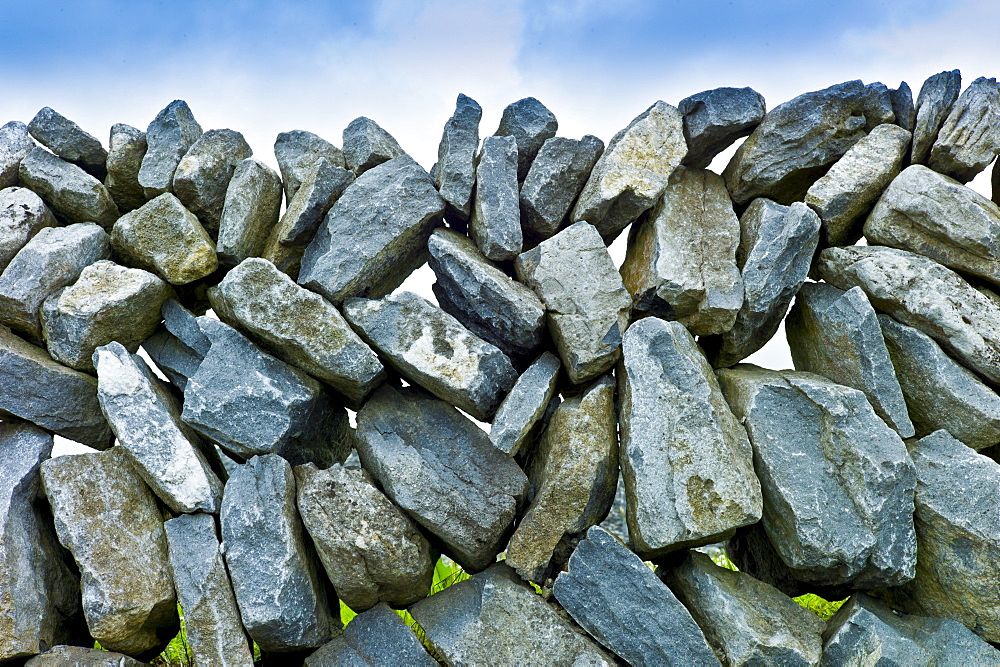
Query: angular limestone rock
[[902, 106], [531, 124], [557, 175], [22, 215], [970, 136], [249, 213], [70, 191], [714, 119], [126, 148], [495, 224], [203, 174], [518, 416], [297, 152], [69, 141], [455, 171], [878, 106], [15, 144], [168, 138], [320, 188], [934, 103], [76, 656], [442, 470], [996, 182], [367, 145], [681, 260], [586, 302], [379, 636]]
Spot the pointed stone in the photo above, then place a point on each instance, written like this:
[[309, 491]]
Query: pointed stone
[[367, 145], [495, 224], [297, 153], [319, 190], [714, 119], [455, 174], [902, 106], [878, 106], [168, 138], [75, 656], [519, 416], [178, 346], [69, 141], [934, 103], [70, 191], [250, 212], [22, 215], [970, 136], [557, 175], [126, 149], [15, 144], [376, 637], [203, 174], [531, 124]]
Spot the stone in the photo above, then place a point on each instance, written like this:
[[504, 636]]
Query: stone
[[22, 215], [969, 139], [297, 152], [300, 327], [934, 103], [996, 182], [108, 302], [212, 620], [370, 550], [557, 175], [282, 599], [686, 461], [422, 451], [367, 145], [633, 171], [680, 263], [455, 173], [493, 618], [744, 620], [51, 260], [319, 190], [168, 138], [182, 323], [165, 238], [715, 119], [378, 636], [69, 141], [493, 306], [531, 124], [848, 191], [15, 144], [878, 108], [203, 174], [71, 192], [77, 656], [172, 357], [836, 334], [431, 348], [375, 235], [573, 473], [126, 149], [586, 303], [250, 212], [495, 224], [128, 593], [836, 480], [519, 416], [902, 107]]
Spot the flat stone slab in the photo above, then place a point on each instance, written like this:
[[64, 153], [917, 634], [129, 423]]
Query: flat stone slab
[[934, 102], [367, 145], [126, 149], [297, 152], [69, 141], [72, 656], [519, 416], [495, 224], [969, 138], [714, 119], [557, 175], [455, 171], [203, 174], [378, 636], [15, 144], [70, 191], [249, 213], [531, 124], [22, 215], [168, 138]]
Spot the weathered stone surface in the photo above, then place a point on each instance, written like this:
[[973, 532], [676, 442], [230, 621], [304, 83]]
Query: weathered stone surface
[[376, 637], [168, 138], [107, 303], [174, 359], [714, 119], [616, 522], [837, 482], [203, 174], [375, 235], [970, 136], [69, 141], [934, 103], [367, 145], [282, 599], [455, 171], [487, 301], [557, 175], [996, 182], [70, 191], [320, 188], [15, 144], [847, 192], [836, 334], [22, 215], [126, 148], [902, 106], [878, 106], [531, 124], [686, 461], [422, 450], [51, 260], [518, 416], [98, 501], [681, 261], [632, 173], [431, 348], [79, 656], [250, 212], [495, 224], [585, 300], [494, 618], [371, 551], [297, 153]]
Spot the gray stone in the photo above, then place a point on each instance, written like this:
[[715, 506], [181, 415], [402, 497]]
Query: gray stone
[[367, 145], [378, 636], [320, 188], [69, 141], [681, 261], [487, 301], [171, 356], [837, 481], [431, 348], [836, 334], [70, 191], [878, 106], [996, 182], [616, 522], [280, 591], [442, 470], [168, 138], [455, 172], [250, 212], [555, 179], [495, 224], [375, 235], [632, 172], [203, 174], [519, 416], [585, 300], [970, 136], [15, 144], [686, 461], [180, 322], [847, 192], [22, 215], [98, 500], [79, 656], [126, 148], [934, 102], [297, 152], [370, 550], [714, 119], [531, 124], [902, 106]]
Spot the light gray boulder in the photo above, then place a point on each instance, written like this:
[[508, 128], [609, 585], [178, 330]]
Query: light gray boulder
[[168, 138], [69, 141], [555, 179], [78, 656], [714, 119], [367, 145], [250, 212], [519, 416], [15, 144], [969, 139], [22, 215], [531, 124], [203, 174], [378, 636], [126, 149], [455, 171], [495, 224], [71, 192], [297, 153], [934, 102]]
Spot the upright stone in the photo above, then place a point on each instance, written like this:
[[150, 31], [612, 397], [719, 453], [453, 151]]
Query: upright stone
[[15, 144], [203, 174], [714, 119], [518, 417], [320, 188], [555, 179], [878, 106], [531, 124], [495, 225], [996, 182], [455, 173], [69, 141], [297, 153], [934, 103], [22, 215], [378, 636], [71, 192], [126, 149], [168, 138], [250, 212], [902, 106], [367, 145], [969, 139]]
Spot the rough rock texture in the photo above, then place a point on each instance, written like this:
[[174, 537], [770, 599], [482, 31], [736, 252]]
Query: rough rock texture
[[420, 450], [517, 418], [681, 261], [367, 145], [71, 192], [586, 302], [250, 212], [168, 138], [934, 103], [376, 637], [557, 175], [371, 551], [22, 215], [320, 187], [15, 144], [531, 124], [69, 141], [203, 174], [996, 182], [902, 106], [878, 106], [495, 224], [455, 171], [686, 461], [126, 149], [714, 119], [970, 136], [297, 152], [78, 656]]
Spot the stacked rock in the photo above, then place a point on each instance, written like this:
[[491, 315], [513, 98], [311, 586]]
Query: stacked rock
[[226, 337]]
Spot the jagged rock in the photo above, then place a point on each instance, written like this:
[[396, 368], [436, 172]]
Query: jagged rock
[[632, 173], [836, 334], [531, 124], [686, 461], [181, 323], [455, 171], [367, 145], [107, 303], [495, 224], [126, 149], [487, 301], [376, 637], [934, 103], [79, 656], [22, 215], [174, 359], [282, 599], [421, 450], [519, 415], [902, 106], [431, 348], [168, 138], [714, 119], [557, 175], [250, 212], [375, 235], [681, 261], [371, 551], [69, 141], [878, 106], [585, 300], [70, 191], [745, 620], [996, 182], [495, 619], [847, 192], [128, 594], [203, 174], [969, 139], [15, 144], [297, 153], [837, 481], [51, 260], [321, 186]]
